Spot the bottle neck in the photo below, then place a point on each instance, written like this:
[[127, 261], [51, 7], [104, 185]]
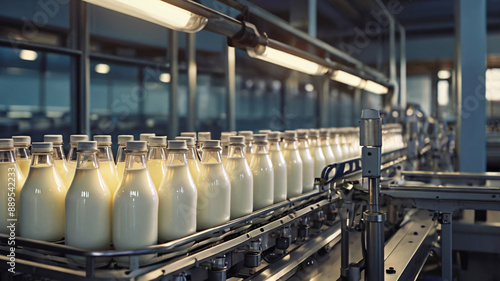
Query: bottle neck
[[225, 149], [274, 145], [236, 151], [7, 156], [211, 155], [120, 153], [191, 153], [72, 153], [291, 145], [303, 143], [176, 157], [105, 153], [22, 152], [324, 141], [314, 142], [42, 159], [259, 148], [135, 160], [87, 159], [58, 153], [156, 153]]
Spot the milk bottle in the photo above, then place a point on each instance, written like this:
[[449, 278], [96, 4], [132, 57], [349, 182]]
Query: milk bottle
[[241, 178], [71, 159], [120, 154], [248, 144], [344, 145], [224, 142], [324, 139], [294, 165], [178, 196], [157, 158], [307, 160], [135, 204], [214, 188], [42, 197], [202, 137], [317, 153], [192, 159], [106, 162], [58, 154], [263, 173], [23, 155], [279, 167], [88, 205], [335, 144], [12, 180]]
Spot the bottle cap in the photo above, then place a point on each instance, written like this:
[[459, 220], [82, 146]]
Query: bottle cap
[[145, 136], [177, 144], [247, 134], [237, 139], [123, 139], [87, 145], [224, 137], [42, 147], [290, 135], [102, 139], [313, 133], [324, 132], [158, 141], [76, 138], [273, 135], [55, 139], [264, 131], [204, 136], [189, 140], [189, 134], [302, 134], [137, 145], [211, 143], [22, 140], [6, 143], [233, 133], [260, 137]]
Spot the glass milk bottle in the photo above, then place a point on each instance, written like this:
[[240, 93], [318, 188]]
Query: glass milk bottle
[[316, 152], [344, 145], [58, 154], [178, 196], [12, 180], [214, 188], [248, 144], [120, 154], [71, 159], [42, 197], [294, 165], [192, 159], [307, 161], [335, 144], [263, 173], [279, 167], [145, 136], [224, 142], [135, 204], [23, 155], [157, 158], [324, 139], [241, 178], [106, 162], [88, 205], [202, 137], [195, 138]]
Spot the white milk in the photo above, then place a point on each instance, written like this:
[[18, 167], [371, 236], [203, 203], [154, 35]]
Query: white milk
[[88, 213], [42, 204], [177, 212], [11, 177], [135, 213], [307, 169], [70, 174], [194, 168], [263, 181], [24, 165], [156, 168], [327, 152], [120, 169], [241, 178], [109, 174], [61, 168], [280, 175], [319, 160], [294, 174], [214, 196]]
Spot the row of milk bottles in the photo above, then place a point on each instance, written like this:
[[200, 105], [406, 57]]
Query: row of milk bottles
[[154, 193]]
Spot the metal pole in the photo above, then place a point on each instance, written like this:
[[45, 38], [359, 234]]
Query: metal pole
[[312, 18], [192, 73], [392, 54], [173, 38], [324, 97], [231, 88], [402, 67]]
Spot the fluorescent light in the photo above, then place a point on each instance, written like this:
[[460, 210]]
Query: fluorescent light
[[346, 78], [156, 11], [287, 60], [375, 88], [28, 55], [309, 87], [444, 74], [165, 77], [102, 68]]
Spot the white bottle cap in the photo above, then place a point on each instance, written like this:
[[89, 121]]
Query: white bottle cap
[[204, 136], [224, 137], [233, 133], [247, 134], [237, 139], [260, 137], [42, 147], [189, 140], [137, 145], [145, 136], [102, 139], [87, 145], [55, 139], [6, 143], [157, 141], [290, 135], [264, 131], [313, 133], [177, 144], [76, 138], [189, 134], [21, 140], [324, 132], [273, 135], [211, 143], [123, 139], [302, 134]]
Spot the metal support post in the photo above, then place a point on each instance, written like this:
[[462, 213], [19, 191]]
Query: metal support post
[[231, 88], [192, 74], [173, 48], [371, 141], [446, 247]]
